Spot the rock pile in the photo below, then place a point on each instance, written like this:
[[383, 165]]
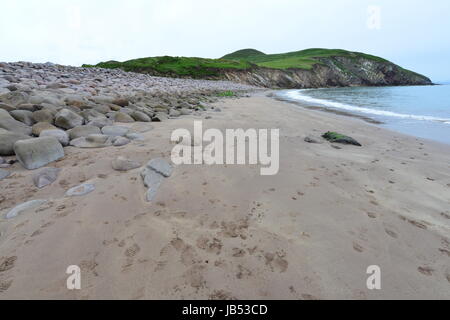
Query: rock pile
[[44, 107]]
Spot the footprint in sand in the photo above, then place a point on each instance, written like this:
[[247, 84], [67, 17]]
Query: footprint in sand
[[357, 247], [428, 271], [372, 215], [421, 224], [221, 295], [7, 263], [276, 261], [5, 285]]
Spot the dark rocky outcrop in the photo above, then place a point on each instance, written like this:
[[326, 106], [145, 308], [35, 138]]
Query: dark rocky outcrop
[[331, 72]]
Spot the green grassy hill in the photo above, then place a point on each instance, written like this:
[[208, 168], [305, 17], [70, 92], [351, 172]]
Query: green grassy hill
[[304, 59], [242, 59], [346, 65]]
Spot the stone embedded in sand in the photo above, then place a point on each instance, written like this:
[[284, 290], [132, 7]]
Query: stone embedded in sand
[[82, 131], [38, 152], [23, 207], [311, 139], [134, 136], [61, 135], [4, 174], [152, 180], [161, 166], [120, 141], [115, 131], [340, 138], [46, 177], [67, 119], [80, 190], [123, 164]]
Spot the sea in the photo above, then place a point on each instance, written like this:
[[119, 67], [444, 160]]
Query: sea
[[420, 111]]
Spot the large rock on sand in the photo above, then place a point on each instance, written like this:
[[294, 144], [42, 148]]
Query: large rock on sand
[[7, 141], [7, 122], [38, 152], [123, 164], [67, 119], [83, 131]]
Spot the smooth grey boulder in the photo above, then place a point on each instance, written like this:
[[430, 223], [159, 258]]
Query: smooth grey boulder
[[82, 131], [2, 161], [102, 109], [160, 117], [23, 116], [123, 164], [115, 131], [15, 98], [91, 114], [185, 112], [59, 134], [92, 141], [161, 166], [152, 181], [100, 122], [38, 152], [4, 174], [174, 113], [7, 141], [140, 116], [80, 190], [67, 119], [120, 141], [44, 115], [123, 117], [7, 122], [46, 177], [24, 207]]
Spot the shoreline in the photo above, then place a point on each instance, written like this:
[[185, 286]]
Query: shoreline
[[225, 232], [385, 124]]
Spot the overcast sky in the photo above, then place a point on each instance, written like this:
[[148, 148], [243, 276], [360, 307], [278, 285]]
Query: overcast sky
[[412, 33]]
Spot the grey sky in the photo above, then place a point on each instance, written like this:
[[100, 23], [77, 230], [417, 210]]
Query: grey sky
[[412, 33]]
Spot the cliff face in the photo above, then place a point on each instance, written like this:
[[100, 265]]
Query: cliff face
[[330, 72]]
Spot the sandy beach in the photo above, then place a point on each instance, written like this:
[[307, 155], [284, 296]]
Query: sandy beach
[[226, 232]]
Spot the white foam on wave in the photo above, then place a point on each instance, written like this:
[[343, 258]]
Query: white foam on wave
[[297, 95]]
